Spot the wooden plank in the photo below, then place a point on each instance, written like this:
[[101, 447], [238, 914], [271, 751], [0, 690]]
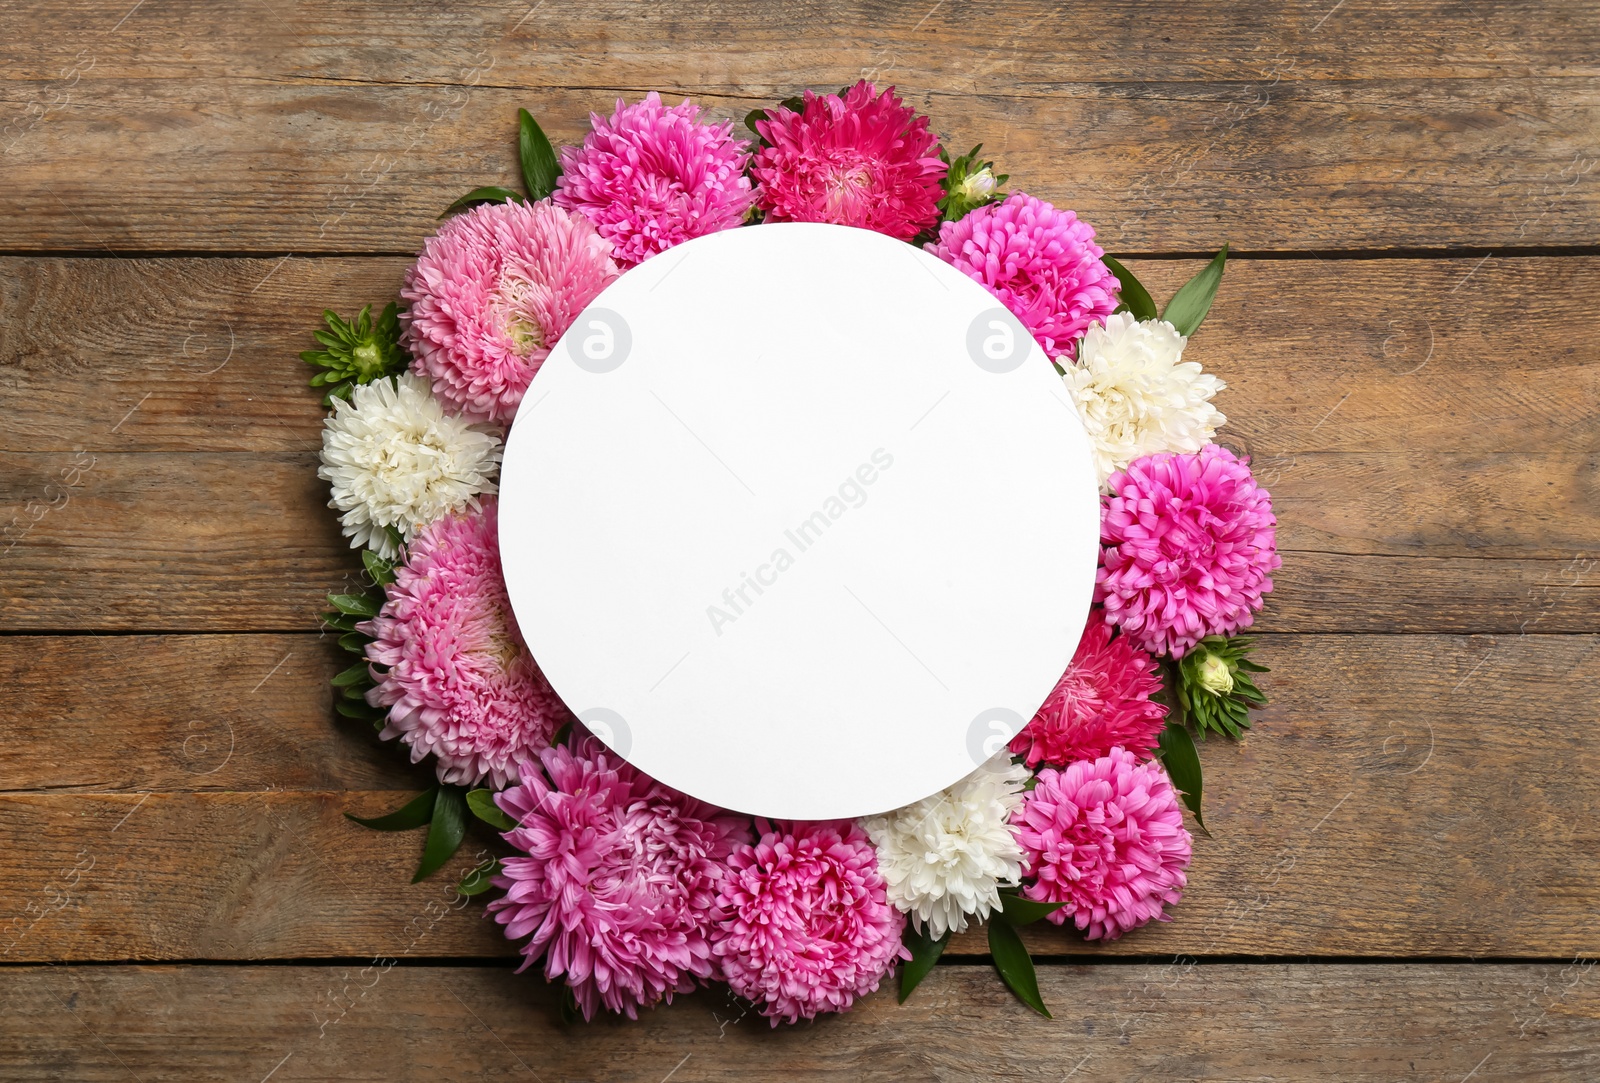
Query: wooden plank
[[773, 48], [1402, 795], [236, 541], [1394, 355], [221, 163], [358, 1022], [175, 713], [1461, 457]]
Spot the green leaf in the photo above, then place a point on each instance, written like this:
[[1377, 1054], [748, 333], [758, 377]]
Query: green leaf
[[1019, 911], [355, 642], [357, 672], [479, 878], [414, 813], [341, 622], [1183, 766], [381, 571], [539, 166], [1190, 304], [481, 802], [445, 832], [750, 119], [1134, 295], [359, 709], [925, 951], [488, 194], [570, 1013], [355, 605], [1015, 967]]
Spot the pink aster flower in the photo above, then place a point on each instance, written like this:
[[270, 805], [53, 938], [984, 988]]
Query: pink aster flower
[[1102, 700], [491, 294], [807, 926], [866, 159], [1040, 262], [1188, 544], [449, 661], [652, 177], [618, 892], [1107, 838]]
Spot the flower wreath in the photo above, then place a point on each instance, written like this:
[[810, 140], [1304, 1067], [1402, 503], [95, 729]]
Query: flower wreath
[[628, 890]]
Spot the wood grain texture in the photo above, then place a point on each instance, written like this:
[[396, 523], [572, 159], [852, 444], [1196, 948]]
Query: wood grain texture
[[1402, 796], [1432, 449], [210, 126], [1394, 356], [233, 541], [1516, 1022]]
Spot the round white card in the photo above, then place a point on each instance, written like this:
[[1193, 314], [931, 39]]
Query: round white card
[[800, 521]]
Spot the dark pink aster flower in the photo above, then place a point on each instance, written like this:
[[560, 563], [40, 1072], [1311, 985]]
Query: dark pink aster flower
[[1106, 837], [807, 926], [1042, 263], [618, 892], [1102, 700], [866, 159], [651, 177], [1188, 545]]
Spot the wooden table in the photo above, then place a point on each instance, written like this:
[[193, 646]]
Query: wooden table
[[1404, 877]]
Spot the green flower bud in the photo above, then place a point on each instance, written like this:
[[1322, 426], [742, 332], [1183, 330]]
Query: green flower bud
[[1216, 675]]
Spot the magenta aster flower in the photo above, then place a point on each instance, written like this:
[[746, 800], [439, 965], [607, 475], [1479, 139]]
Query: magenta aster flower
[[1040, 262], [619, 888], [866, 159], [807, 926], [652, 177], [1102, 700], [491, 294], [449, 661], [1107, 838], [1188, 544]]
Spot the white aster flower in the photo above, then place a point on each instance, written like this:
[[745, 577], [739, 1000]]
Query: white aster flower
[[1136, 394], [947, 856], [396, 459]]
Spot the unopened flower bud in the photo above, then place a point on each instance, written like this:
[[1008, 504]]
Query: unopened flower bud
[[1216, 676]]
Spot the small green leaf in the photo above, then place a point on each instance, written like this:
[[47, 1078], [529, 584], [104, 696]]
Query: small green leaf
[[1183, 766], [570, 1012], [355, 642], [355, 605], [1191, 303], [415, 813], [925, 951], [539, 166], [1019, 911], [1133, 294], [381, 571], [481, 802], [445, 832], [750, 119], [1015, 967], [488, 194], [479, 878], [357, 672], [359, 709], [341, 622]]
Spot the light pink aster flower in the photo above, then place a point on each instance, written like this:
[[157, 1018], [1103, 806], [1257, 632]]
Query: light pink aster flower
[[1107, 838], [807, 926], [1102, 700], [866, 159], [490, 296], [1042, 263], [449, 661], [651, 177], [1188, 545], [619, 889]]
